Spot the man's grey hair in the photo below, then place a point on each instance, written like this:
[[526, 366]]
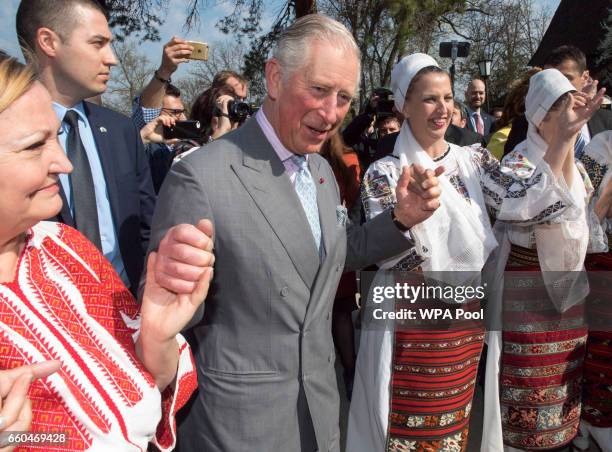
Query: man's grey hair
[[295, 41]]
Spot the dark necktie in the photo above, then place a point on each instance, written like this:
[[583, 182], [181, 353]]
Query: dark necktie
[[81, 182]]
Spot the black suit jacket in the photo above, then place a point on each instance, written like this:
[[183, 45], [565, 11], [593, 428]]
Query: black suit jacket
[[454, 134], [160, 161], [487, 120], [600, 122], [128, 182]]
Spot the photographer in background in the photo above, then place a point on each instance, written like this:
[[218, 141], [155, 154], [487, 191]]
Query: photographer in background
[[221, 107], [161, 151], [362, 134]]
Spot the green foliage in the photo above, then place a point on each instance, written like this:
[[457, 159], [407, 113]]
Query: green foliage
[[261, 46]]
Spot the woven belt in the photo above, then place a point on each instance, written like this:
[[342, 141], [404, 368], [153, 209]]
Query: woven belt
[[522, 256]]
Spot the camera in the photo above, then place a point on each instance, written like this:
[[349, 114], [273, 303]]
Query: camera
[[239, 111], [385, 103]]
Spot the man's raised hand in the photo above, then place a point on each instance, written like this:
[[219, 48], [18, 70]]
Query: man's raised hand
[[176, 51]]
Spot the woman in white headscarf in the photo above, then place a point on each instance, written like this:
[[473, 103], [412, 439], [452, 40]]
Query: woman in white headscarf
[[414, 391], [544, 339]]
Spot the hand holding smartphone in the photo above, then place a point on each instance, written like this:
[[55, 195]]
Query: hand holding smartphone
[[200, 51]]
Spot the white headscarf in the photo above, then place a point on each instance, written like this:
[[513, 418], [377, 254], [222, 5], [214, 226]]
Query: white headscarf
[[545, 87], [403, 73], [458, 236]]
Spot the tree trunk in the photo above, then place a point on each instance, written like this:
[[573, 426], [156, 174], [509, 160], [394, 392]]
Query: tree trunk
[[304, 7]]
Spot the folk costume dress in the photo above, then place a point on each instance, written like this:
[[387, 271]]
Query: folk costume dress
[[67, 303], [425, 404], [596, 417], [413, 389], [545, 332]]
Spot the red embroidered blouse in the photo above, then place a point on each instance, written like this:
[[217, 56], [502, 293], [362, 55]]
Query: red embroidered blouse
[[67, 303]]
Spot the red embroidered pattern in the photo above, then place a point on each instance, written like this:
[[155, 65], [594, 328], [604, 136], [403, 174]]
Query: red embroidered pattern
[[42, 317], [430, 410]]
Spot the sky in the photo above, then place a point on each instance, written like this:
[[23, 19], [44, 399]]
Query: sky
[[173, 25]]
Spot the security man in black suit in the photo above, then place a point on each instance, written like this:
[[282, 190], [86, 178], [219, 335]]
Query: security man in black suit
[[109, 195]]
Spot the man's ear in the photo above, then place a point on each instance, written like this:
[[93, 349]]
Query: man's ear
[[273, 78], [585, 76], [47, 41]]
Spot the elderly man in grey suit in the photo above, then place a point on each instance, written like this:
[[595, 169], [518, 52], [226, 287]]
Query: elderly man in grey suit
[[263, 343]]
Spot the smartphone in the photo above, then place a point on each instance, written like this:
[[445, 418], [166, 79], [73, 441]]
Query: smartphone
[[184, 130], [200, 51]]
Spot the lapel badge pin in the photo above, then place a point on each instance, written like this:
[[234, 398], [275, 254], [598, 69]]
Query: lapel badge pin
[[321, 180], [103, 129]]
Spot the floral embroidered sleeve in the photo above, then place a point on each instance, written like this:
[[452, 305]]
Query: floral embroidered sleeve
[[518, 192], [377, 196], [595, 168]]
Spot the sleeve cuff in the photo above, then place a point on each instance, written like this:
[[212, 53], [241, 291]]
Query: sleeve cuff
[[175, 397]]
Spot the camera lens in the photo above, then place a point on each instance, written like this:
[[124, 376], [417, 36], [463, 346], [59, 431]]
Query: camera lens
[[238, 111]]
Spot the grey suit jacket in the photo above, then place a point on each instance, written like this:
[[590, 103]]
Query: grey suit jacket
[[263, 343]]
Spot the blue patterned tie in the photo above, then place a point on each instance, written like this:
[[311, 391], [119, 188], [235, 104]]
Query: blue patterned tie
[[579, 146], [307, 192]]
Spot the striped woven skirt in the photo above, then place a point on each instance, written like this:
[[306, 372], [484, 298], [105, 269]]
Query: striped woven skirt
[[542, 357], [432, 386], [597, 384]]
